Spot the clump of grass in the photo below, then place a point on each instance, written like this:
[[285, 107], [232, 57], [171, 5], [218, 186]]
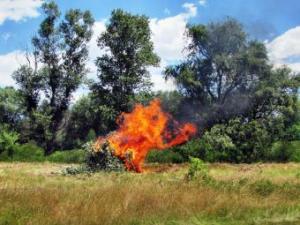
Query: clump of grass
[[263, 187]]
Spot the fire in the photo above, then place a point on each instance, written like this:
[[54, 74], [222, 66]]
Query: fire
[[143, 129]]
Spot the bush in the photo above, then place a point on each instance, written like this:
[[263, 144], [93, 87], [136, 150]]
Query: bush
[[295, 151], [8, 142], [24, 153], [70, 156], [197, 169], [177, 154], [165, 156], [285, 151], [29, 153], [103, 159], [236, 141]]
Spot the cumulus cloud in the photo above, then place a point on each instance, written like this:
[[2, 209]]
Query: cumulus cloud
[[285, 49], [94, 50], [168, 34], [18, 10], [8, 64], [158, 80]]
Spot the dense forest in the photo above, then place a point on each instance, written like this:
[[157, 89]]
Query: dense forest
[[246, 110]]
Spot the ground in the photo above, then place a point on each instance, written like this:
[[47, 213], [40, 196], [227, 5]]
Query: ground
[[41, 194]]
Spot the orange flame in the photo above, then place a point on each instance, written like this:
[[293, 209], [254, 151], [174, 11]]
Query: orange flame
[[145, 128]]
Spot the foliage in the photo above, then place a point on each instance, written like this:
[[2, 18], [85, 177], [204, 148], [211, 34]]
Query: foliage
[[197, 169], [122, 70], [70, 156], [227, 76], [11, 107], [237, 141], [165, 156], [103, 159], [28, 153], [8, 141], [246, 110], [82, 121], [284, 151], [62, 52]]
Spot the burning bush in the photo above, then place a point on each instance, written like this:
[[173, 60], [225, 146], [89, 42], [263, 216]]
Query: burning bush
[[103, 159], [143, 129]]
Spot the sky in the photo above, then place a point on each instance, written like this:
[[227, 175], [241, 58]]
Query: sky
[[274, 22]]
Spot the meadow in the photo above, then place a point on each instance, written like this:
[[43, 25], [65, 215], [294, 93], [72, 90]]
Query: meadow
[[41, 193]]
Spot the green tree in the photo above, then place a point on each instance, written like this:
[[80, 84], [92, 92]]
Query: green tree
[[82, 120], [226, 76], [8, 141], [11, 107], [122, 71], [61, 49]]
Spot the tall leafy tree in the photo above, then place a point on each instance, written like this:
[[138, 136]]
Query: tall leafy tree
[[122, 70], [226, 75], [60, 47]]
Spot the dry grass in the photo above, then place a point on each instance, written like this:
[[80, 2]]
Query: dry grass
[[38, 194]]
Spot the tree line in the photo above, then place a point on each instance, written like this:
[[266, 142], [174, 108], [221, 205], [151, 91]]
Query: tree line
[[226, 85]]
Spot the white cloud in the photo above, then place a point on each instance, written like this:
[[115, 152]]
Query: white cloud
[[168, 34], [159, 83], [94, 50], [202, 2], [17, 10], [191, 10], [285, 49], [8, 64]]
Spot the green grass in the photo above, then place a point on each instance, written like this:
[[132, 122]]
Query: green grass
[[39, 193]]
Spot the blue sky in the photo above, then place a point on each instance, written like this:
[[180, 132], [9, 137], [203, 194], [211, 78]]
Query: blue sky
[[276, 22]]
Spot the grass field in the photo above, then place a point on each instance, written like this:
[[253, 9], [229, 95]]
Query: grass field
[[39, 194]]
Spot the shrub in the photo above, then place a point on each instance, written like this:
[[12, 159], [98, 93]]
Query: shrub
[[8, 142], [216, 145], [177, 154], [165, 156], [29, 153], [24, 153], [103, 159], [285, 151], [197, 169], [70, 156]]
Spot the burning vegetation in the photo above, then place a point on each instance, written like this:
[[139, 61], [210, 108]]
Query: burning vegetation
[[143, 129]]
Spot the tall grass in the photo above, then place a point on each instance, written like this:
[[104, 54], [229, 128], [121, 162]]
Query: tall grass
[[244, 194]]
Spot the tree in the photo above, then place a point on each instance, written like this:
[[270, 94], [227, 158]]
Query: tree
[[226, 76], [122, 71], [61, 50], [8, 141], [82, 120], [11, 107]]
